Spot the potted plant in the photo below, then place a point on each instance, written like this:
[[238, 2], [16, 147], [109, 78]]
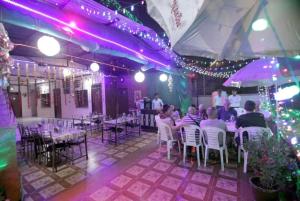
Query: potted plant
[[272, 165]]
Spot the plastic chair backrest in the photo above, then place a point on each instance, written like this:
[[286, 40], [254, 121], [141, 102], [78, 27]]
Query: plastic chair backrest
[[165, 131], [191, 135], [211, 137], [254, 133]]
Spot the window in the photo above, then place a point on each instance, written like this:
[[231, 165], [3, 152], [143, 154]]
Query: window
[[45, 100], [81, 98], [67, 85]]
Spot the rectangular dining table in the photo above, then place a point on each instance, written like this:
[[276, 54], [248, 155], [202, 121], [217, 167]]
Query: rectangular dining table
[[120, 122], [64, 135]]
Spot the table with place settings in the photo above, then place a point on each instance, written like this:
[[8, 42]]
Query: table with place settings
[[122, 121]]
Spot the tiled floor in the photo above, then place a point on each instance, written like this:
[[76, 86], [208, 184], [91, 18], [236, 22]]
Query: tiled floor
[[135, 170]]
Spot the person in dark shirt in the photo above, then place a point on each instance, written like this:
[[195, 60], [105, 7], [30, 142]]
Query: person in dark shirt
[[251, 118], [227, 113]]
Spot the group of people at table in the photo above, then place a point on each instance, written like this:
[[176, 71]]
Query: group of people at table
[[223, 111]]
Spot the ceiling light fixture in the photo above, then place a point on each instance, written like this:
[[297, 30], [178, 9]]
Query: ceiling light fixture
[[163, 77], [260, 24], [139, 77], [48, 45], [94, 67]]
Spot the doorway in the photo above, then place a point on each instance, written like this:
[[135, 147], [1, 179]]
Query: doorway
[[15, 100], [57, 102], [97, 98], [122, 100]]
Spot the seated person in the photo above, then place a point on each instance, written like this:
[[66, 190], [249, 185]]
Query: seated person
[[226, 113], [251, 118], [212, 120], [202, 112], [165, 116], [191, 118]]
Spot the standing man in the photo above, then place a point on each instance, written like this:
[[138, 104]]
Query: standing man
[[218, 99], [235, 99], [157, 103]]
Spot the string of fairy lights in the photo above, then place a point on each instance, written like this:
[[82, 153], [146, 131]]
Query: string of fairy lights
[[162, 41]]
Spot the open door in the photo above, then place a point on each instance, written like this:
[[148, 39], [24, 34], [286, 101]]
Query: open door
[[57, 102]]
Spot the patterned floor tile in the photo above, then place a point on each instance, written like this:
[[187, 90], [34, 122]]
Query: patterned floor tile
[[147, 162], [195, 191], [228, 173], [155, 155], [209, 169], [138, 189], [121, 154], [164, 167], [227, 184], [218, 196], [65, 172], [152, 176], [109, 161], [40, 183], [111, 151], [121, 181], [122, 198], [74, 179], [28, 199], [28, 170], [34, 176], [180, 172], [51, 191], [140, 145], [103, 194], [131, 149], [171, 183], [160, 195], [135, 170], [200, 177]]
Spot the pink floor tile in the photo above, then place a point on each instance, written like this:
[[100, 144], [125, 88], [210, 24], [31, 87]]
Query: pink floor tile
[[152, 176], [147, 162], [171, 183], [121, 181], [164, 167], [160, 195], [200, 177], [195, 191], [218, 196], [180, 172], [138, 188], [227, 184], [103, 194], [135, 170]]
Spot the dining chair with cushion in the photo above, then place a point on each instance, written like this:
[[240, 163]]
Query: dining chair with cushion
[[215, 138], [166, 135], [249, 134], [192, 136]]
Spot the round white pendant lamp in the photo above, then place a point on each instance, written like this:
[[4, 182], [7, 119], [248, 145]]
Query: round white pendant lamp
[[139, 77], [48, 45]]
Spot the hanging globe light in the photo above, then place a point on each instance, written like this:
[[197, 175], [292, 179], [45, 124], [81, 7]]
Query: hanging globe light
[[163, 77], [94, 67], [48, 45], [67, 72], [139, 77], [260, 24]]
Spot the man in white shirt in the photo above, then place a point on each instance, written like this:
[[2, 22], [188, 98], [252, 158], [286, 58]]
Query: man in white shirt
[[213, 120], [234, 99], [219, 99], [157, 102]]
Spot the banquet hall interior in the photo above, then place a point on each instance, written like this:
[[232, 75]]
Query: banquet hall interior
[[158, 100]]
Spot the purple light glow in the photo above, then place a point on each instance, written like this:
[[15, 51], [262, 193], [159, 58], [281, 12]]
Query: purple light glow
[[81, 30]]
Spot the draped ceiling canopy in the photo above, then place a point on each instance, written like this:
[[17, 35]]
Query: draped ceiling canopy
[[223, 29]]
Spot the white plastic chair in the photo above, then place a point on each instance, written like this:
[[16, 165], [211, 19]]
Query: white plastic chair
[[211, 141], [157, 119], [190, 137], [166, 135], [254, 134]]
